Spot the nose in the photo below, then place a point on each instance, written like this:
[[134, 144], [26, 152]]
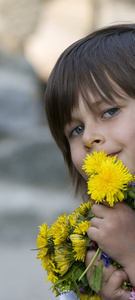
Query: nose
[[93, 139]]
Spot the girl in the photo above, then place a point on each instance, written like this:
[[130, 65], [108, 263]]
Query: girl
[[90, 106]]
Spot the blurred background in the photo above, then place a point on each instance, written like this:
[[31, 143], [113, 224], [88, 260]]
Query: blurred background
[[34, 183]]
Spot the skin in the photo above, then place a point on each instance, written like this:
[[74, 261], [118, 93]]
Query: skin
[[112, 280], [108, 127]]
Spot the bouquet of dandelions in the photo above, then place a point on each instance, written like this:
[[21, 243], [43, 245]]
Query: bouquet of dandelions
[[62, 247]]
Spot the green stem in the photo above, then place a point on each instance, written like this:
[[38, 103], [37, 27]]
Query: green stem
[[90, 264]]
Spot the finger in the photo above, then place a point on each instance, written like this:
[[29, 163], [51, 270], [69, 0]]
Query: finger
[[106, 204], [100, 210], [92, 233], [112, 288], [89, 256], [95, 222]]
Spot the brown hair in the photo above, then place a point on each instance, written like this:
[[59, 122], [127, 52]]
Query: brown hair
[[92, 63]]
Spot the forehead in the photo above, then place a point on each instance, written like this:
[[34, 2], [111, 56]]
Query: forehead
[[92, 99]]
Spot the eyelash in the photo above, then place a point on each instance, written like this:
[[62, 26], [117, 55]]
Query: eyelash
[[113, 110], [73, 131]]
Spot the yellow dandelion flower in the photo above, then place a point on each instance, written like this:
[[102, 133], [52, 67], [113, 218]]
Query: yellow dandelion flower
[[73, 218], [110, 182], [43, 235], [79, 244], [42, 240], [81, 228], [89, 205], [45, 262], [51, 277], [95, 297], [63, 258], [83, 296], [92, 297], [84, 207], [93, 162], [48, 263], [60, 229]]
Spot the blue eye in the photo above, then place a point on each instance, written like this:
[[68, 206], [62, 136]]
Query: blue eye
[[78, 130], [110, 112]]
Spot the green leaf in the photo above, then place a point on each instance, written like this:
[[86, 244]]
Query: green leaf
[[96, 278], [80, 219], [85, 281], [77, 273], [90, 214], [132, 194]]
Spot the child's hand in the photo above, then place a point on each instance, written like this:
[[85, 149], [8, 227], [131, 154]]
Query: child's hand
[[112, 280], [113, 229]]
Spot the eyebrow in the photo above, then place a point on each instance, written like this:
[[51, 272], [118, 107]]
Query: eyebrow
[[95, 105], [97, 102]]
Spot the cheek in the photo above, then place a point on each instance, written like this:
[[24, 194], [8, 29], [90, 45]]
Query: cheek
[[126, 138], [126, 135], [78, 162]]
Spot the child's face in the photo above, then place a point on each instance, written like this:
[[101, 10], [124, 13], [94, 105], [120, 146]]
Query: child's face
[[109, 127]]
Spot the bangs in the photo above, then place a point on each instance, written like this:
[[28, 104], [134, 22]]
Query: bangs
[[92, 86], [95, 89]]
